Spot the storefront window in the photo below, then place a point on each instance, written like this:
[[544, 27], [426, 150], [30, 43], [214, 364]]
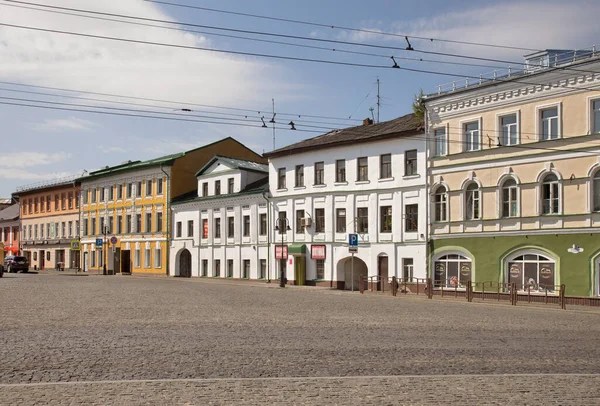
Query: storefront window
[[452, 271], [532, 272]]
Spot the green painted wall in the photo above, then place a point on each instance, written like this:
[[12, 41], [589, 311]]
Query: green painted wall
[[576, 271]]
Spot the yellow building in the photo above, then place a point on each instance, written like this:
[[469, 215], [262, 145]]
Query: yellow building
[[514, 177], [125, 216]]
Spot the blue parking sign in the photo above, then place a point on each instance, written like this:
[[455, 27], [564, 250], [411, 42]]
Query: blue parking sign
[[98, 242], [353, 240]]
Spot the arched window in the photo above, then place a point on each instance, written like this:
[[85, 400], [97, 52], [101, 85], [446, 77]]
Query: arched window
[[473, 202], [550, 194], [441, 204], [532, 272], [451, 271], [596, 191], [510, 201]]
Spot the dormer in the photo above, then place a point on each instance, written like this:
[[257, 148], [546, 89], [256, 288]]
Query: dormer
[[225, 176]]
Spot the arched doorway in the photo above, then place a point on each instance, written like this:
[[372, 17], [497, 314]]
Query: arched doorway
[[351, 274], [185, 264]]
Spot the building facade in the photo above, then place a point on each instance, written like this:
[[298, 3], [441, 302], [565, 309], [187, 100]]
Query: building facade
[[221, 230], [367, 180], [49, 223], [514, 180], [9, 229], [126, 208]]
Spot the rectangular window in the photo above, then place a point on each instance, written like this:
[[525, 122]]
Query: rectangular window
[[549, 123], [37, 205], [76, 228], [111, 193], [136, 256], [217, 187], [410, 162], [217, 227], [509, 130], [439, 145], [70, 228], [340, 170], [340, 220], [85, 228], [230, 183], [320, 269], [138, 189], [407, 269], [110, 224], [205, 267], [93, 259], [85, 199], [596, 116], [263, 224], [147, 257], [70, 201], [119, 224], [178, 229], [42, 232], [100, 258], [319, 173], [299, 175], [281, 178], [148, 223], [386, 219], [36, 231], [93, 226], [159, 222], [230, 268], [149, 187], [157, 257], [204, 228], [230, 227], [246, 272], [282, 223], [362, 220], [102, 194], [159, 186], [246, 226], [42, 204], [93, 193], [217, 270], [138, 223], [300, 222], [385, 166], [204, 189], [63, 201], [119, 192], [102, 228], [412, 218], [190, 230], [128, 222], [262, 272], [472, 139], [129, 190], [362, 168], [319, 220]]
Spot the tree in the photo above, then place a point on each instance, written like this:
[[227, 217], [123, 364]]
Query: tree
[[418, 107]]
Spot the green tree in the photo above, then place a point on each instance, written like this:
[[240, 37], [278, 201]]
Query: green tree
[[418, 107]]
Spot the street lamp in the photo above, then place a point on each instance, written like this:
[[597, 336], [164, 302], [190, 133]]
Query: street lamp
[[104, 247], [284, 225]]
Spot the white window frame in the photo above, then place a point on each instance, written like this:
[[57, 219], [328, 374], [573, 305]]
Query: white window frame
[[501, 197], [436, 218], [541, 186], [590, 114], [538, 121], [500, 127], [514, 255], [136, 258], [437, 142], [158, 257], [463, 130], [147, 257], [478, 199]]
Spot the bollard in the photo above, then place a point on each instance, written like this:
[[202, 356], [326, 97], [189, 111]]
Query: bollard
[[394, 286]]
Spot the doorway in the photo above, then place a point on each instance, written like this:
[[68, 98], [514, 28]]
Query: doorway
[[85, 262], [126, 261], [300, 271], [185, 264], [42, 259], [382, 271], [117, 260]]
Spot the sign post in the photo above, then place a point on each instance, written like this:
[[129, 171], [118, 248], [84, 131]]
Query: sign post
[[353, 248]]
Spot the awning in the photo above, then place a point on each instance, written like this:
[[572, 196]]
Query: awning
[[297, 249], [10, 248]]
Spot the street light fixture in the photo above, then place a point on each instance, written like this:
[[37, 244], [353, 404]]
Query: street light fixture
[[284, 225], [105, 252]]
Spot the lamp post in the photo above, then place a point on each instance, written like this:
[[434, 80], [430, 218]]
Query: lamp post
[[282, 227], [104, 247]]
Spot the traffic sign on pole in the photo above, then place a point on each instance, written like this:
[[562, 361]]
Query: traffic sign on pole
[[99, 242], [353, 240], [113, 240]]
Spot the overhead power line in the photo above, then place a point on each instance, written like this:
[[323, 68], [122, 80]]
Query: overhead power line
[[314, 24]]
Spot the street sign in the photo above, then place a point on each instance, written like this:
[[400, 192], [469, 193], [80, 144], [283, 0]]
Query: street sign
[[281, 251], [353, 249], [113, 240], [353, 240], [99, 242], [75, 246]]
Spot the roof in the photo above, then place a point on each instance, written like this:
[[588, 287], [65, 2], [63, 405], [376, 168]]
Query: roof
[[235, 164], [47, 185], [402, 126], [10, 213], [258, 187]]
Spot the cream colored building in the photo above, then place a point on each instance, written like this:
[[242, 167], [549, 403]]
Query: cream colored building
[[514, 177]]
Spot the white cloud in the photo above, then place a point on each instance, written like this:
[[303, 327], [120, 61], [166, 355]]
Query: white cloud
[[27, 159], [112, 149], [64, 124], [28, 176]]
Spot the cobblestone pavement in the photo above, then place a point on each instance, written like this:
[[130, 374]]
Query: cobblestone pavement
[[195, 341]]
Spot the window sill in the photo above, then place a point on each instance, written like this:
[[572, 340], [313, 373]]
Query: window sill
[[282, 190], [320, 185], [299, 187], [362, 182], [340, 184], [383, 180], [416, 176]]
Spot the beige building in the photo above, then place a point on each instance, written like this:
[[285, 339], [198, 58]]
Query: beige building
[[514, 177], [49, 222]]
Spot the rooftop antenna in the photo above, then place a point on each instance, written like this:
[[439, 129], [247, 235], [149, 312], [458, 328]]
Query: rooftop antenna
[[273, 122], [378, 101], [371, 109]]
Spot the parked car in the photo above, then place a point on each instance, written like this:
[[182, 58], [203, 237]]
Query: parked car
[[14, 263]]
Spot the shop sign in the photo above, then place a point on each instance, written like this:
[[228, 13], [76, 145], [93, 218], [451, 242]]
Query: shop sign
[[281, 251], [317, 252]]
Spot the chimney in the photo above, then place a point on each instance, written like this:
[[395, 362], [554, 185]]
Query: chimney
[[367, 121]]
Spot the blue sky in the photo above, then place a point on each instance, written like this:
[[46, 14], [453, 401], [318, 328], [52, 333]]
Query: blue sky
[[42, 144]]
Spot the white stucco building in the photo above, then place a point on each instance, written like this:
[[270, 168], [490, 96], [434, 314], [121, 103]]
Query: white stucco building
[[222, 229], [368, 180]]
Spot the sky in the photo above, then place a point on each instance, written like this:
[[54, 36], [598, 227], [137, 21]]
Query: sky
[[43, 144]]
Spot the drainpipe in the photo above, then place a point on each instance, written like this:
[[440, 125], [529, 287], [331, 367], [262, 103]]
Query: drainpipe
[[168, 211], [427, 203], [264, 194]]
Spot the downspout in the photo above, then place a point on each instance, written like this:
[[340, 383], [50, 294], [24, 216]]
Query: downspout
[[168, 228], [427, 203], [264, 194]]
